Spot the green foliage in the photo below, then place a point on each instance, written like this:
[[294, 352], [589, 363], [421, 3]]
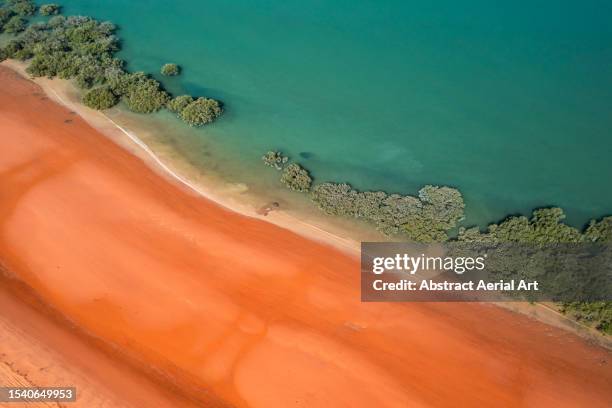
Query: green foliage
[[22, 7], [296, 178], [594, 314], [82, 49], [49, 9], [427, 218], [201, 111], [56, 21], [12, 48], [15, 24], [5, 16], [274, 159], [121, 82], [599, 231], [77, 48], [544, 227], [144, 95], [100, 98], [170, 70], [179, 103], [23, 55]]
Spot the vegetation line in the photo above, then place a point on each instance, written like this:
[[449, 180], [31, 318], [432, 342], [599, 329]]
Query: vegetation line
[[436, 211], [83, 49]]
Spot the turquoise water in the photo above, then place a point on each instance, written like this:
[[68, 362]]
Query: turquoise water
[[509, 101]]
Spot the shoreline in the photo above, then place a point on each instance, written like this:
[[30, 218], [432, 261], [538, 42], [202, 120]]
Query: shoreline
[[223, 194], [257, 315], [217, 191]]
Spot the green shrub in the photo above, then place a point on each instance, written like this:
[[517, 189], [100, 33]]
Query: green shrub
[[599, 231], [275, 159], [120, 81], [22, 7], [427, 218], [544, 227], [201, 111], [594, 314], [49, 9], [23, 54], [144, 95], [12, 48], [82, 49], [100, 98], [179, 103], [170, 70], [16, 24], [5, 16], [296, 178], [56, 21]]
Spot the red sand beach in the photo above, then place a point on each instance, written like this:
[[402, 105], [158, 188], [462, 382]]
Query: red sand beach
[[142, 294]]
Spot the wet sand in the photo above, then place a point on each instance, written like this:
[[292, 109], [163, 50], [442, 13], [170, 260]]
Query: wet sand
[[164, 287]]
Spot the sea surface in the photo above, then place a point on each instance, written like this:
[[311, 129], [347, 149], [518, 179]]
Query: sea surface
[[509, 101]]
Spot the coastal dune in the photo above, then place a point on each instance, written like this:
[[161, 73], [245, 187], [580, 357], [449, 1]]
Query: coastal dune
[[201, 305]]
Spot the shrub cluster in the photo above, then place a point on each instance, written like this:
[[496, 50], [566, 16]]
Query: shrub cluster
[[141, 93], [13, 13], [201, 111], [546, 227], [196, 112], [296, 178], [427, 218], [275, 159], [179, 103], [73, 47], [49, 9], [21, 7], [100, 98], [15, 24], [594, 314], [82, 49], [170, 70]]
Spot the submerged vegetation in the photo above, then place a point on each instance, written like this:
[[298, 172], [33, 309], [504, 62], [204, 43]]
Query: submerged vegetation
[[49, 9], [170, 70], [82, 49], [275, 159]]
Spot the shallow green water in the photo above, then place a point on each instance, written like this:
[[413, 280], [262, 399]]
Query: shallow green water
[[509, 101]]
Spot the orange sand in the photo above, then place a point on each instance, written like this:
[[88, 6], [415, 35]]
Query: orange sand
[[229, 310]]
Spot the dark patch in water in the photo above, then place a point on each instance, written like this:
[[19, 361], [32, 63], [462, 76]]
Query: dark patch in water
[[306, 155]]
